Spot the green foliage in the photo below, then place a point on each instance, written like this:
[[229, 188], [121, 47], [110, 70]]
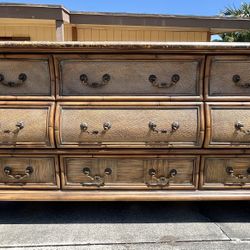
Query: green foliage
[[244, 12]]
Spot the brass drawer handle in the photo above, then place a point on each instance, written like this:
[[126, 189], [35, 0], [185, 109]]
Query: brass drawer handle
[[106, 126], [153, 127], [21, 79], [8, 171], [105, 79], [154, 80], [241, 178], [239, 126], [161, 181], [236, 79], [19, 126], [96, 180]]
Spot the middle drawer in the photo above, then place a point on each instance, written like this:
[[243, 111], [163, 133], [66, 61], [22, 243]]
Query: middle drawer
[[26, 124], [129, 125]]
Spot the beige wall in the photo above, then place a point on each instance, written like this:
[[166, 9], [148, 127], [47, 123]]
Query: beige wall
[[37, 30], [121, 33], [44, 30]]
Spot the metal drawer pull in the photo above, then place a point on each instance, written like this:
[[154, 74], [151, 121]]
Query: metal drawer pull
[[105, 79], [154, 80], [236, 79], [19, 126], [96, 180], [8, 171], [21, 79], [239, 177], [239, 126], [161, 181], [106, 126], [153, 127]]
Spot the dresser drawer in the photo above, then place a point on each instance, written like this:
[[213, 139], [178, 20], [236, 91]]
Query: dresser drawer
[[130, 76], [228, 125], [26, 77], [228, 77], [29, 172], [129, 125], [26, 124], [225, 171], [129, 172]]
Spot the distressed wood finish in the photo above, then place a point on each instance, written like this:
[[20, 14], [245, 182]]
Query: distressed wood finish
[[222, 130], [39, 71], [106, 148], [228, 78], [130, 172], [44, 173], [26, 124], [103, 195], [129, 125], [225, 172], [129, 76]]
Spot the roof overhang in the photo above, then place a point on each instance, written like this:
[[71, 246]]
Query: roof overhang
[[214, 24]]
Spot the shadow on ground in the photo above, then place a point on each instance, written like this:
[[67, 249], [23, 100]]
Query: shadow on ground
[[123, 212]]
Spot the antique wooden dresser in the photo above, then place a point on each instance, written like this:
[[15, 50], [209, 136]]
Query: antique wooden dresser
[[124, 121]]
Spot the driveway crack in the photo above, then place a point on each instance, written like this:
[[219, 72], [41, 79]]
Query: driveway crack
[[215, 223]]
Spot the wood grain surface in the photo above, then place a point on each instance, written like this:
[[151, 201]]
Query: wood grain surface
[[206, 101]]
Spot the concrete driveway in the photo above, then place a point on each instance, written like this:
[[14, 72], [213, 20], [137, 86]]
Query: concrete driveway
[[147, 225]]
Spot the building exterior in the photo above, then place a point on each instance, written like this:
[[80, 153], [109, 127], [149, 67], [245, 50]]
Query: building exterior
[[56, 23]]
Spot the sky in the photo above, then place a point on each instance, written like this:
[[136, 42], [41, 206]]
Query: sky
[[178, 7]]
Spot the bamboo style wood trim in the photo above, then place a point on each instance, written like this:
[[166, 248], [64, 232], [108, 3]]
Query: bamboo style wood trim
[[35, 186], [129, 186], [128, 151], [146, 48], [214, 186], [208, 143], [20, 195], [50, 121], [27, 96], [129, 57], [222, 97], [200, 126]]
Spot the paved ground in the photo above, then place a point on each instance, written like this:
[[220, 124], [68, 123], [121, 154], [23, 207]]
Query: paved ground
[[94, 226]]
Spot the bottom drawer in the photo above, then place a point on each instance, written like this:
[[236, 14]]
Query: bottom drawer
[[140, 172], [34, 172], [223, 172]]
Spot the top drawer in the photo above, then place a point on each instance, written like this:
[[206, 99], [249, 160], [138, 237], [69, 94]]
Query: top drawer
[[26, 77], [126, 77], [228, 78]]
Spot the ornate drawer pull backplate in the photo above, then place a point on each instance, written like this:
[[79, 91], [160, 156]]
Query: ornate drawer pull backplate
[[106, 126], [161, 181], [95, 180], [8, 171], [153, 127], [21, 79], [19, 126], [154, 80], [239, 177], [236, 79], [105, 79], [239, 126]]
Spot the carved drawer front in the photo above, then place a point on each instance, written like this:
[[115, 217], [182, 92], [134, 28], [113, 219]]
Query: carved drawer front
[[26, 77], [171, 172], [222, 172], [29, 172], [228, 78], [178, 77], [26, 124], [228, 125], [128, 125]]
